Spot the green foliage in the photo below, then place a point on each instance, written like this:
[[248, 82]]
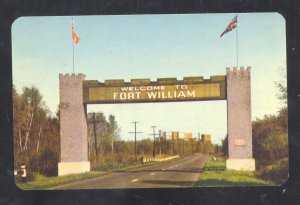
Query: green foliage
[[215, 165], [270, 134], [276, 172], [224, 146], [270, 138], [273, 147], [282, 86], [145, 147], [229, 178], [112, 152], [200, 147], [214, 174], [113, 162], [48, 162], [35, 132], [43, 182], [218, 150], [102, 133]]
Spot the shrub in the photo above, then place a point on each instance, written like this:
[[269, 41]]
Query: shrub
[[49, 162], [116, 161], [277, 172], [272, 148]]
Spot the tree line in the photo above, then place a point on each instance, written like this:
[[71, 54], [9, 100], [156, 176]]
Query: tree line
[[270, 141], [35, 133], [108, 151]]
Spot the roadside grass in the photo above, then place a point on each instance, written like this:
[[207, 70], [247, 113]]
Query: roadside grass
[[41, 182], [215, 174]]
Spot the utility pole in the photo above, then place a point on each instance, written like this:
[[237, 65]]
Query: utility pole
[[166, 146], [95, 135], [192, 145], [154, 134], [160, 138], [198, 142], [173, 144], [135, 132], [183, 146], [178, 145]]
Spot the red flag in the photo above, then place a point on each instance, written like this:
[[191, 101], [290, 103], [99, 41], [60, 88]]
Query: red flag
[[75, 37], [232, 25]]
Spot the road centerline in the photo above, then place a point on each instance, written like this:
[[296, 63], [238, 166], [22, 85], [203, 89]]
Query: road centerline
[[135, 180], [156, 176]]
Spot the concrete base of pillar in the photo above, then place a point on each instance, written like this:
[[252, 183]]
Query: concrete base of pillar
[[240, 164], [65, 168]]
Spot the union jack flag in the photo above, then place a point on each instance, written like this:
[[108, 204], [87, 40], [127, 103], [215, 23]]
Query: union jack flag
[[232, 25]]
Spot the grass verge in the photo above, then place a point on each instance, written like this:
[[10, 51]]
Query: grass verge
[[215, 174], [41, 182]]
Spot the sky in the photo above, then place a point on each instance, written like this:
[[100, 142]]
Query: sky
[[154, 46]]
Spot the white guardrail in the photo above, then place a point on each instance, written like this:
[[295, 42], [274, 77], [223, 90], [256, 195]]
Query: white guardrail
[[153, 159]]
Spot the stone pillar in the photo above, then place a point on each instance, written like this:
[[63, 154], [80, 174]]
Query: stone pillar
[[73, 126], [239, 127]]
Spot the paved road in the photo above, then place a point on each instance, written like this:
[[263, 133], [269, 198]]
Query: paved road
[[180, 173]]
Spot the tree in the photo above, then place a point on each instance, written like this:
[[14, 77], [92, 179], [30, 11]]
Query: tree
[[281, 85], [106, 133], [270, 138], [35, 132], [97, 136], [218, 150], [113, 131], [29, 119], [224, 146]]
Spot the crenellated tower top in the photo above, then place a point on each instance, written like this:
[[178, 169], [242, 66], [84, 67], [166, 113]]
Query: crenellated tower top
[[241, 72], [238, 70], [79, 76]]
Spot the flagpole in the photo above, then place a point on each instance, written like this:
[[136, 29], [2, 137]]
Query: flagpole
[[75, 40], [237, 46], [73, 56]]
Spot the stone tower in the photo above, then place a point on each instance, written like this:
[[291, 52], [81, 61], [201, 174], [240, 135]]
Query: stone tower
[[73, 126], [239, 127]]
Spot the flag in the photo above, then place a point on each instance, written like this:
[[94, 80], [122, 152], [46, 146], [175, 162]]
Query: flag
[[75, 37], [232, 25]]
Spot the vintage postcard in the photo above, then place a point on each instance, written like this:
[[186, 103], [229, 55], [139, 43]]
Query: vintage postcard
[[150, 101]]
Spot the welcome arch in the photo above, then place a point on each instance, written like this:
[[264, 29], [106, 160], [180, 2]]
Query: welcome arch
[[76, 93]]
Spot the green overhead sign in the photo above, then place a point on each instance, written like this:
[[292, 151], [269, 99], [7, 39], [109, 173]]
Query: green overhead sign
[[162, 90]]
